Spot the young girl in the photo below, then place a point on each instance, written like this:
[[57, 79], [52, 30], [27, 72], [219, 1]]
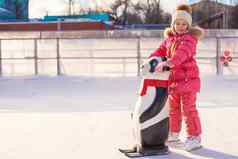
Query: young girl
[[184, 83]]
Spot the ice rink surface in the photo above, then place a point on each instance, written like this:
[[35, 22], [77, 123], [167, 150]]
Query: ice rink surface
[[43, 117]]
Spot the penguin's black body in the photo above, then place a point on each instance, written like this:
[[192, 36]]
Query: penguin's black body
[[150, 116]]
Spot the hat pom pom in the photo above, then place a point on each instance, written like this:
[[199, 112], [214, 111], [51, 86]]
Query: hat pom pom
[[184, 7]]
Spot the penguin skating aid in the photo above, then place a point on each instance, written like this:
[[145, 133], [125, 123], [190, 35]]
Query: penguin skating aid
[[150, 116]]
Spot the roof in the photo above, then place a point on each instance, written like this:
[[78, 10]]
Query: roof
[[93, 16]]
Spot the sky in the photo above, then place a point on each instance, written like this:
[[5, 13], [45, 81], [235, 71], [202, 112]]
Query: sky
[[38, 9]]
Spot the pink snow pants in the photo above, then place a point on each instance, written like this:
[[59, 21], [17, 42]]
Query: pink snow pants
[[184, 105]]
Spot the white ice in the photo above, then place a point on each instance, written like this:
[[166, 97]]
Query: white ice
[[65, 117]]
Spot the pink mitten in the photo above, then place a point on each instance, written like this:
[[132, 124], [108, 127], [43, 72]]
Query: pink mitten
[[159, 67]]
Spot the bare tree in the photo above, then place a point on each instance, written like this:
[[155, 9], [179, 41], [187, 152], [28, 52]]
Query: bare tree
[[148, 12], [125, 12], [120, 9], [71, 7], [153, 14], [234, 17]]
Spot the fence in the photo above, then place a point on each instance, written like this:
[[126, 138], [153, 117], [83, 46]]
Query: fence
[[118, 53]]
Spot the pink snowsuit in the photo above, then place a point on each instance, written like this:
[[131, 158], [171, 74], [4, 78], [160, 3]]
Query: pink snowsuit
[[184, 81]]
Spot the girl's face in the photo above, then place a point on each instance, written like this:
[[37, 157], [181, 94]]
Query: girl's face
[[181, 26]]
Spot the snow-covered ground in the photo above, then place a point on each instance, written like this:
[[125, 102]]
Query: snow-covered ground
[[43, 117]]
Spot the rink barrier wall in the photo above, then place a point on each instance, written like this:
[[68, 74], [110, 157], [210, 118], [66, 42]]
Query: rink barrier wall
[[217, 37]]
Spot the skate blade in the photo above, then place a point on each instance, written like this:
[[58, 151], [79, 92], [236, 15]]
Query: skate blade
[[148, 153], [194, 149], [176, 145], [127, 150]]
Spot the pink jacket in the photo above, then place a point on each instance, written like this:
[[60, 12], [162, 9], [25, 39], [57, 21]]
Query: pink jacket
[[180, 51]]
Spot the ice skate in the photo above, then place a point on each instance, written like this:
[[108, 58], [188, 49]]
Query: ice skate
[[173, 141], [173, 137], [193, 143]]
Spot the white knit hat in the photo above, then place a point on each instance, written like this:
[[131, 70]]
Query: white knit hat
[[181, 14]]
